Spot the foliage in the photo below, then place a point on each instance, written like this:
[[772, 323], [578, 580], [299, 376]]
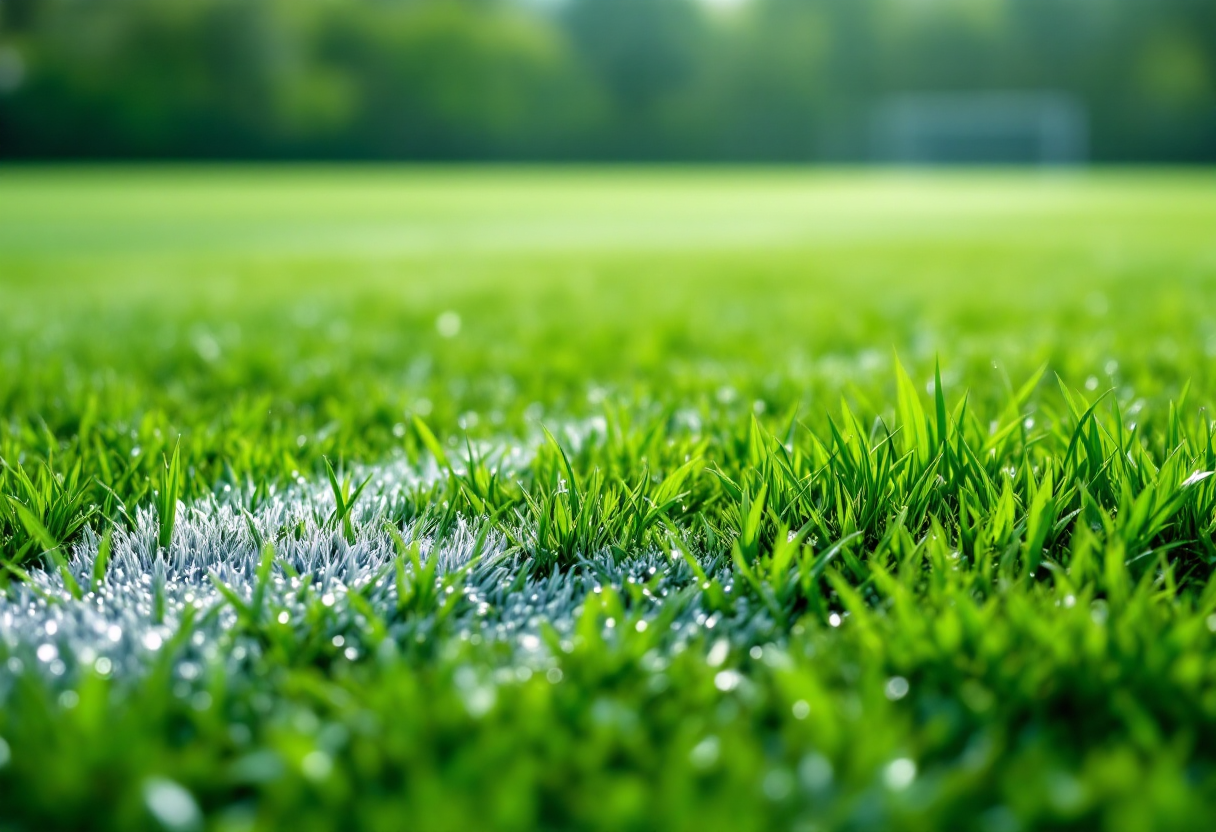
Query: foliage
[[772, 80]]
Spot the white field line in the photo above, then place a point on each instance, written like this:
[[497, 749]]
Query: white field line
[[122, 627]]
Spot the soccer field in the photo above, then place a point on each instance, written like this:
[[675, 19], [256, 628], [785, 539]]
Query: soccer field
[[606, 498]]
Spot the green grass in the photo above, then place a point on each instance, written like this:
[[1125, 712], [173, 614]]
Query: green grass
[[731, 499]]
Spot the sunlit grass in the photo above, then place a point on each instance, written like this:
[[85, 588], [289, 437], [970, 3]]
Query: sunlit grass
[[607, 499]]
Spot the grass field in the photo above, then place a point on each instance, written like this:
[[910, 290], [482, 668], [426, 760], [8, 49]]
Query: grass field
[[389, 498]]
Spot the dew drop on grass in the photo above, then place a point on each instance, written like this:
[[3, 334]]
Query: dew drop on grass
[[815, 772], [896, 688], [778, 784], [727, 680], [448, 324], [47, 652], [480, 700], [705, 753], [899, 774], [316, 765], [1098, 611], [172, 805]]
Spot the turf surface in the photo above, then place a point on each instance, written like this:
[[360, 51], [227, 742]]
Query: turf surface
[[618, 498]]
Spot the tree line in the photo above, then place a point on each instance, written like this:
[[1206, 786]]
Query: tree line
[[768, 80]]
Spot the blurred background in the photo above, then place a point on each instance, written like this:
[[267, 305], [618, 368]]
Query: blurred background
[[937, 81]]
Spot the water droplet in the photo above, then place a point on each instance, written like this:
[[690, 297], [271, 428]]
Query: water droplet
[[705, 753], [815, 772], [480, 700], [727, 680], [172, 805], [316, 765], [896, 688], [899, 774], [448, 324], [778, 784]]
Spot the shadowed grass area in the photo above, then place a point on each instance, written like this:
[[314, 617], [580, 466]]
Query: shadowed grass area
[[794, 500]]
